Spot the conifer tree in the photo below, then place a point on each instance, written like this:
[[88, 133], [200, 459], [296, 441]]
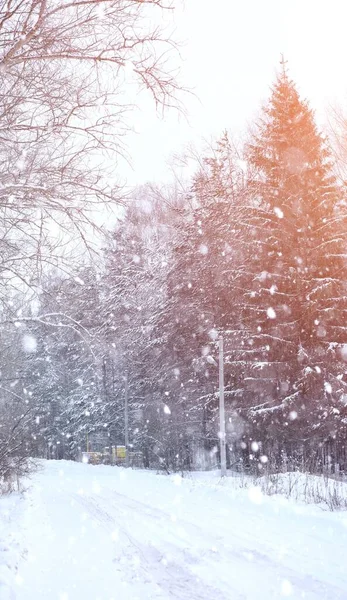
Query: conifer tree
[[295, 304], [204, 283]]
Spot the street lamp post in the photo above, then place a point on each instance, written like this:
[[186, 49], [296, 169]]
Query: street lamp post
[[126, 421], [223, 457]]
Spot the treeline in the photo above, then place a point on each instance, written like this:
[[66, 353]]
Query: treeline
[[254, 250]]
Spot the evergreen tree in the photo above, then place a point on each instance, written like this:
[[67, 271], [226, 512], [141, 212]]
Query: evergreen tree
[[204, 293], [295, 304]]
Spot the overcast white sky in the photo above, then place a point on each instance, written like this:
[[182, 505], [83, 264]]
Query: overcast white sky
[[231, 53]]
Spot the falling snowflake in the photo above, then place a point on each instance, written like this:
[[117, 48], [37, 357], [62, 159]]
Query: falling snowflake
[[271, 313], [203, 249], [321, 331], [29, 343], [278, 212], [327, 387], [213, 334]]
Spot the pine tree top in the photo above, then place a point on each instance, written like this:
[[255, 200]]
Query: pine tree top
[[287, 151]]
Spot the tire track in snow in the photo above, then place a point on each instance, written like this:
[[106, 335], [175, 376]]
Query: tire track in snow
[[171, 574]]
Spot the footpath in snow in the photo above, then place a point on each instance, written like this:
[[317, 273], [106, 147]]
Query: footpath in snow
[[83, 532]]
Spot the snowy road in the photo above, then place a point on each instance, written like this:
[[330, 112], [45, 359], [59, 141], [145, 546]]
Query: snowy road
[[90, 533]]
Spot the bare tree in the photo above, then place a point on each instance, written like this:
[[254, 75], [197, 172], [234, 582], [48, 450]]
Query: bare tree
[[64, 72], [70, 73]]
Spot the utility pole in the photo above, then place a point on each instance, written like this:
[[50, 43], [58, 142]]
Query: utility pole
[[223, 456], [126, 420]]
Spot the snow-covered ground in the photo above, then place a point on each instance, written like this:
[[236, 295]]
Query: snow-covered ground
[[82, 532]]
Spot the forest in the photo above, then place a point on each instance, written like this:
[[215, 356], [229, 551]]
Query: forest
[[250, 245]]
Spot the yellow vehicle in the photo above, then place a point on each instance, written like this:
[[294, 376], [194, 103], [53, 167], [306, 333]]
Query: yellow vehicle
[[93, 458]]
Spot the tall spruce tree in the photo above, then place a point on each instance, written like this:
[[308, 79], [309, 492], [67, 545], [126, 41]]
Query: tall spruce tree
[[296, 302], [203, 291]]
